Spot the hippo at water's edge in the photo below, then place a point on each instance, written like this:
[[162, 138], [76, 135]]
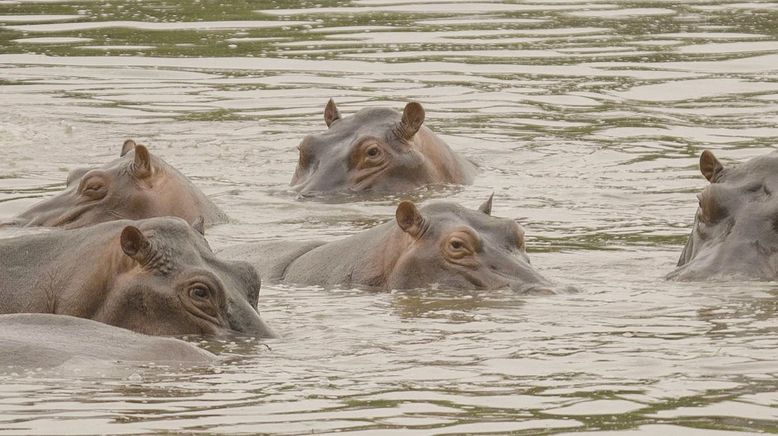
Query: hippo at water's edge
[[137, 185], [45, 341], [735, 232], [376, 150], [156, 276], [442, 244]]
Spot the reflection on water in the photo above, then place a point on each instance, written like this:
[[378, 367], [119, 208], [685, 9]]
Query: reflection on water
[[586, 119]]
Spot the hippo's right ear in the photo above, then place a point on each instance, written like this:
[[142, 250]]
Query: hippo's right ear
[[413, 118], [134, 244], [331, 113], [410, 219], [127, 147], [710, 167]]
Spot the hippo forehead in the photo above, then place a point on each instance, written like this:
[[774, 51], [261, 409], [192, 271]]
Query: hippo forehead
[[118, 166], [189, 248], [761, 168], [367, 122], [445, 216]]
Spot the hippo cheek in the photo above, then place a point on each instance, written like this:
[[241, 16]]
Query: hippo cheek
[[747, 259], [244, 319]]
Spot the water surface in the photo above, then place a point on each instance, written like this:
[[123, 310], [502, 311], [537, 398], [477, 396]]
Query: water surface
[[587, 119]]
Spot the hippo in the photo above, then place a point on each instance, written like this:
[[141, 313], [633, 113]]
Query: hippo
[[137, 185], [156, 276], [735, 231], [376, 150], [46, 341], [442, 244]]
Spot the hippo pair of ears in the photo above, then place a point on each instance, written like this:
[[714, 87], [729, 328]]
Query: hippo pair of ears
[[412, 222], [141, 165], [412, 118], [135, 244], [710, 167]]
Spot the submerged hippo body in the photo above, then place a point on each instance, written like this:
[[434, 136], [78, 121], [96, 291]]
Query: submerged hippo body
[[54, 341], [442, 244], [376, 150], [735, 233], [138, 185], [156, 276]]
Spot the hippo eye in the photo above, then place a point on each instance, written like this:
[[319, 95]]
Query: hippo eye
[[458, 248], [93, 187], [373, 151], [199, 292]]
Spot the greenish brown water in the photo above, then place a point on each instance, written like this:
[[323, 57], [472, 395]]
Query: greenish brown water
[[587, 119]]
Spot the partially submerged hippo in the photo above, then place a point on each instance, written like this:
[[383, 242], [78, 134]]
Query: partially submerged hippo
[[443, 244], [735, 231], [156, 276], [45, 341], [137, 185], [376, 150]]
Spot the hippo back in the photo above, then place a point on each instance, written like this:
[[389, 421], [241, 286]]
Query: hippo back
[[49, 341]]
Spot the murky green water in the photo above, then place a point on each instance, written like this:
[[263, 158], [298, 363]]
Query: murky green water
[[587, 118]]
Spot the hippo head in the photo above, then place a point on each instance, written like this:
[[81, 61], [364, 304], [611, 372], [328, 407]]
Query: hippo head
[[374, 150], [166, 280], [137, 185], [460, 248], [735, 230]]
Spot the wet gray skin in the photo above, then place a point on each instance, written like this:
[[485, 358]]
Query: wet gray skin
[[156, 276], [137, 185], [376, 150], [36, 340], [442, 244], [735, 232]]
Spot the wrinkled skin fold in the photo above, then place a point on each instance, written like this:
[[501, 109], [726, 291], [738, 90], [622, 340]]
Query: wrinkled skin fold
[[442, 244], [138, 185], [735, 231], [156, 276], [376, 150]]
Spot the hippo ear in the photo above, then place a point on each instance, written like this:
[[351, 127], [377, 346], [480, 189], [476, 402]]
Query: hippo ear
[[134, 244], [199, 225], [486, 206], [141, 166], [410, 219], [127, 146], [710, 167], [331, 113], [413, 118]]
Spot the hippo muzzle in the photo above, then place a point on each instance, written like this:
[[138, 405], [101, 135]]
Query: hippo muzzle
[[243, 319]]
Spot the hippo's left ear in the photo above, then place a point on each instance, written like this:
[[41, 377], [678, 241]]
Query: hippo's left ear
[[486, 206], [410, 219], [141, 166], [135, 244], [199, 225], [710, 167], [331, 113], [127, 146], [413, 118]]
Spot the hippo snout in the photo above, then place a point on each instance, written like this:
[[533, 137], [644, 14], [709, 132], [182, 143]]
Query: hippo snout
[[244, 319]]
